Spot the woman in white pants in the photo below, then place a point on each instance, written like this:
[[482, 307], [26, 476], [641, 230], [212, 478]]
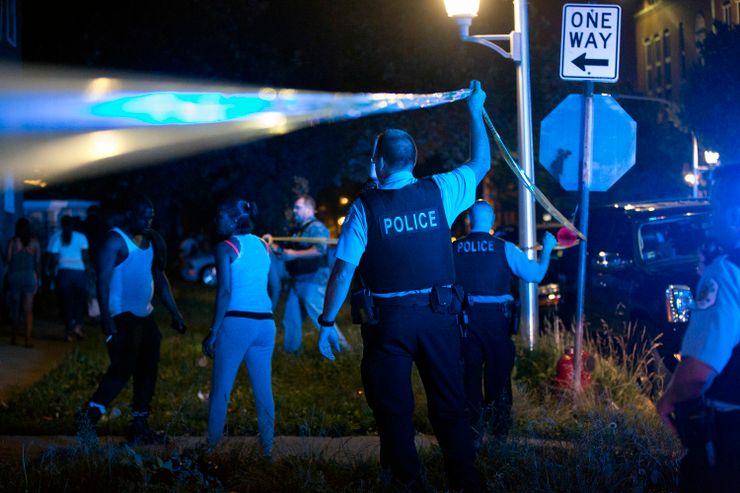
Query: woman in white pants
[[243, 328]]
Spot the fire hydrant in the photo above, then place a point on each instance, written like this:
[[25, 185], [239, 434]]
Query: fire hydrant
[[564, 369]]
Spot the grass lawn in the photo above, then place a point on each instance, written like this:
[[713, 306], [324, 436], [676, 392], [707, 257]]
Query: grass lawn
[[611, 441]]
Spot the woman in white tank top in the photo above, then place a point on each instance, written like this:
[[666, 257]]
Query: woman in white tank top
[[243, 327]]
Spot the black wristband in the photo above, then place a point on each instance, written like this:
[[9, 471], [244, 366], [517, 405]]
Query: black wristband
[[325, 323]]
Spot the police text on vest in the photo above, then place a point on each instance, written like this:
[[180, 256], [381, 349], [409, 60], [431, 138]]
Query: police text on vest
[[470, 246], [409, 222]]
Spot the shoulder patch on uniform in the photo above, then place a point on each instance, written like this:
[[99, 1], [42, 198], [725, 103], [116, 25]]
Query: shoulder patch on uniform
[[707, 296]]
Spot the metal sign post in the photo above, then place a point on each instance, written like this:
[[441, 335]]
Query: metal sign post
[[589, 51], [588, 139]]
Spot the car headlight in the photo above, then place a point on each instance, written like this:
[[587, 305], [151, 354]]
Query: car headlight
[[678, 302]]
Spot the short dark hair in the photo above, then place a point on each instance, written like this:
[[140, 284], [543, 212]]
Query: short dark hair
[[726, 185], [138, 201], [241, 212], [307, 199], [396, 147]]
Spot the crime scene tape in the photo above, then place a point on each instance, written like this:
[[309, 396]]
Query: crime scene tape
[[522, 177], [299, 239], [62, 124], [56, 123]]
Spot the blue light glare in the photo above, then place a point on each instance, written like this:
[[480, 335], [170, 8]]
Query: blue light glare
[[175, 108]]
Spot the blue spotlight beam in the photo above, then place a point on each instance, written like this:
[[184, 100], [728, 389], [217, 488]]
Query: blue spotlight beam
[[56, 123]]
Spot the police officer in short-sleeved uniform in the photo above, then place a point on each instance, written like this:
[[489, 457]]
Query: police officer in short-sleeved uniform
[[484, 265], [705, 388], [399, 235]]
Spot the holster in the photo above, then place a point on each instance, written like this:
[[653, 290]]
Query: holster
[[696, 424], [363, 308], [447, 300], [512, 313]]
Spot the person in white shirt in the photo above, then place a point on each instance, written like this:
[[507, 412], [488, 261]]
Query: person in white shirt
[[130, 270], [69, 258]]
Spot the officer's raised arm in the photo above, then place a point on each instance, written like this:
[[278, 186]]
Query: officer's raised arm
[[530, 270], [480, 147]]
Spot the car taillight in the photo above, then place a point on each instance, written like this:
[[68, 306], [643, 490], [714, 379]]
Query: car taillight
[[549, 294], [678, 302]]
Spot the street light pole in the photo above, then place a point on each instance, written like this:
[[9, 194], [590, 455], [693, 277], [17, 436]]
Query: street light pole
[[463, 11], [527, 239]]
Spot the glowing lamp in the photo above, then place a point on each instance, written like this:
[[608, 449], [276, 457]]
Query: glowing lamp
[[711, 157], [690, 179], [462, 8]]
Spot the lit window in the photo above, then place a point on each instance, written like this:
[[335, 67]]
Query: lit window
[[648, 64], [658, 63], [667, 59], [700, 28], [727, 12], [682, 48]]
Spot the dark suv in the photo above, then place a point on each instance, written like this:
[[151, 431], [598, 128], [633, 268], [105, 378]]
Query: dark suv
[[641, 267]]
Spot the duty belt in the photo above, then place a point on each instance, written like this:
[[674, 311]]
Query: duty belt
[[475, 299], [406, 300]]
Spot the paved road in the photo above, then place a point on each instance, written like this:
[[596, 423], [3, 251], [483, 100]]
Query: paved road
[[20, 367]]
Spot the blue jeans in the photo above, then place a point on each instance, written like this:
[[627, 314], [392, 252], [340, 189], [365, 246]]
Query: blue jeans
[[305, 297], [72, 288], [251, 341]]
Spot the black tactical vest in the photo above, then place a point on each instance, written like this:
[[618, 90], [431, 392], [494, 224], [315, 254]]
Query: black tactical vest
[[408, 239], [304, 266], [726, 385], [480, 265]]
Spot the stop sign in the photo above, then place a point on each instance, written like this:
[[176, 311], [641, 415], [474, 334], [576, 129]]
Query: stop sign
[[614, 144]]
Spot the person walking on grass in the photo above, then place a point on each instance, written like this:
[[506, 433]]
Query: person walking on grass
[[130, 270], [69, 258], [484, 265], [306, 265], [23, 273], [243, 328]]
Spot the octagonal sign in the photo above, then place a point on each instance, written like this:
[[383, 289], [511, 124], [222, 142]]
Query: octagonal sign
[[614, 144]]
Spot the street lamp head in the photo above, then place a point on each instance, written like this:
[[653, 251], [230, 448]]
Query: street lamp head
[[711, 157], [462, 8]]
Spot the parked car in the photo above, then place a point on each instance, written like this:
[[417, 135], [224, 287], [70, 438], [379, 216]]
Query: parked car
[[200, 267], [641, 268]]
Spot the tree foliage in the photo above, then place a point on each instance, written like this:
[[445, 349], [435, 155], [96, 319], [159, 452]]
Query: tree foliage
[[712, 96]]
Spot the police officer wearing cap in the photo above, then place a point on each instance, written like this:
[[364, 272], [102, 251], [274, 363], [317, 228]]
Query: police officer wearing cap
[[484, 265], [399, 236], [702, 400]]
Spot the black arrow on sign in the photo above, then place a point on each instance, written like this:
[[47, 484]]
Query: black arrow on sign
[[582, 61]]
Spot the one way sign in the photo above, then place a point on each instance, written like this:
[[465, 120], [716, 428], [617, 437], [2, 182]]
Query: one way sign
[[589, 47]]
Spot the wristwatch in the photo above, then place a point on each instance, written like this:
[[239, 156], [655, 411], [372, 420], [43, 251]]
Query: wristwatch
[[325, 323]]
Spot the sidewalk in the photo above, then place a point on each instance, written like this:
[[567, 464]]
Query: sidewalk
[[21, 367]]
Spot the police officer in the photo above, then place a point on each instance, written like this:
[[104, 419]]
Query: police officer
[[484, 265], [306, 265], [399, 235], [705, 388]]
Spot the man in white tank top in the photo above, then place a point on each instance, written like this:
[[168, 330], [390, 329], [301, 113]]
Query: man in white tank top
[[130, 269]]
